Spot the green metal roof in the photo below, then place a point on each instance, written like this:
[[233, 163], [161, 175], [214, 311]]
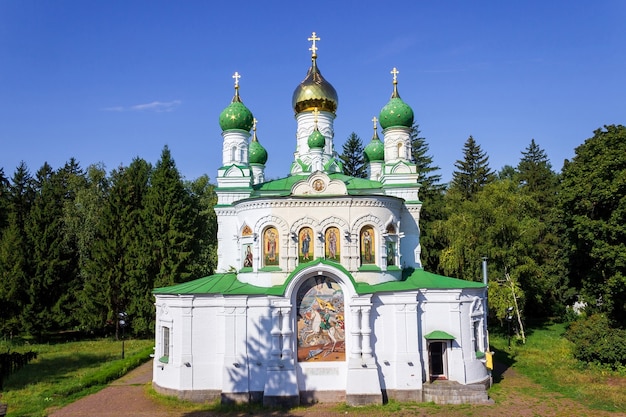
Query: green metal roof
[[439, 335], [228, 284], [282, 186]]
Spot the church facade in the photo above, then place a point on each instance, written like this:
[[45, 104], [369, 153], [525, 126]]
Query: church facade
[[319, 293]]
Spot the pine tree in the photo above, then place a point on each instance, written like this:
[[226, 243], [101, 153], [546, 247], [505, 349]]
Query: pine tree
[[53, 261], [535, 173], [431, 193], [15, 259], [202, 193], [118, 259], [352, 157], [473, 172]]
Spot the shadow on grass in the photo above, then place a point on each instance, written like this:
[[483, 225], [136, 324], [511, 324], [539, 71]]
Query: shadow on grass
[[54, 369], [502, 360]]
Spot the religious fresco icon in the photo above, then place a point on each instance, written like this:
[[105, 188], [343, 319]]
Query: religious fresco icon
[[270, 246], [247, 256], [305, 249], [367, 246], [321, 321], [332, 243]]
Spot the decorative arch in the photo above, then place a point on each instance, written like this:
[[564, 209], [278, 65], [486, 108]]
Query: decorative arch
[[272, 230]]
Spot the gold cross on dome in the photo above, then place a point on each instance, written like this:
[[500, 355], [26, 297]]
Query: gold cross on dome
[[395, 73], [254, 122], [315, 114], [313, 48], [374, 119], [236, 76]]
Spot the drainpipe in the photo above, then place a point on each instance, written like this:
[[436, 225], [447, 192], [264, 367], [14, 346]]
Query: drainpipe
[[486, 311]]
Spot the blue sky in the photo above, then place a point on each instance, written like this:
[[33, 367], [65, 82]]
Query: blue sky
[[107, 81]]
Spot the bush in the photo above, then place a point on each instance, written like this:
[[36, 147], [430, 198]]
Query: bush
[[595, 341]]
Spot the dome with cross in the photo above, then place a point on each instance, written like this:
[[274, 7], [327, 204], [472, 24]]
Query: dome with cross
[[396, 112], [236, 115], [314, 91]]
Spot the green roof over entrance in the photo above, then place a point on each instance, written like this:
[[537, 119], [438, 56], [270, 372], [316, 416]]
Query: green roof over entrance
[[439, 335], [228, 284]]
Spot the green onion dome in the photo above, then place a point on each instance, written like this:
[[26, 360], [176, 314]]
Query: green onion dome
[[396, 112], [256, 152], [375, 150], [236, 115], [316, 139], [314, 91]]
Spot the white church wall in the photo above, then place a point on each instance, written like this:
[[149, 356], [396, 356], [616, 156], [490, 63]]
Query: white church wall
[[208, 342]]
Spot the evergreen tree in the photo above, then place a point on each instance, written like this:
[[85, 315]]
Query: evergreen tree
[[473, 172], [171, 222], [15, 259], [352, 157], [431, 193], [53, 268], [203, 195], [4, 200], [429, 179], [118, 260], [536, 175]]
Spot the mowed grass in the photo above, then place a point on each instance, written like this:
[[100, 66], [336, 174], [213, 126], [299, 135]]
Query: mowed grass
[[64, 372], [547, 360]]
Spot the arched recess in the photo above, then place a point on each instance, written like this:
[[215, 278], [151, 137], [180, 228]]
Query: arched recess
[[377, 227], [280, 225], [321, 297]]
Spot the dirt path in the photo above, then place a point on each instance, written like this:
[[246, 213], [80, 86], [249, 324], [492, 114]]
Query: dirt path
[[128, 397]]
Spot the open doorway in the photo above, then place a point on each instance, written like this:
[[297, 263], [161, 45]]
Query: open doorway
[[437, 359]]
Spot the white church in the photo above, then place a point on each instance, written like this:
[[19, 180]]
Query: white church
[[319, 294]]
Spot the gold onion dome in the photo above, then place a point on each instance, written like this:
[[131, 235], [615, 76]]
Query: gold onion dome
[[314, 91], [256, 152], [375, 150], [236, 115], [396, 112]]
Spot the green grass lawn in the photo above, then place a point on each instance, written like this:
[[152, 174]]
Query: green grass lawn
[[547, 360], [64, 372]]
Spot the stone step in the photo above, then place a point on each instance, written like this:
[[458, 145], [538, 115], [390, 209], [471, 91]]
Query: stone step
[[449, 392]]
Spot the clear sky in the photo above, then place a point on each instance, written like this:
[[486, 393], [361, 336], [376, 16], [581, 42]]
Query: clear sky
[[107, 81]]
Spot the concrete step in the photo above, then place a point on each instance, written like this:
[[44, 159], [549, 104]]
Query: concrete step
[[450, 392]]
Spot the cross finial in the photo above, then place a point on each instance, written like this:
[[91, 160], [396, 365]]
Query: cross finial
[[395, 73], [374, 119], [236, 76], [315, 114], [313, 48], [254, 122]]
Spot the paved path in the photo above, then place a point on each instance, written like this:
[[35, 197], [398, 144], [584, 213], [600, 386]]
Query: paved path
[[124, 397]]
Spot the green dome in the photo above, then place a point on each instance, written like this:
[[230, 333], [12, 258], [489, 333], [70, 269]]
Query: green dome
[[236, 116], [256, 152], [316, 140], [375, 150], [396, 113]]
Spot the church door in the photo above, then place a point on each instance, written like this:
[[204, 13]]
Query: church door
[[437, 360]]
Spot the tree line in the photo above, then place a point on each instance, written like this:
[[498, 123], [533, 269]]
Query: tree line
[[78, 246], [551, 239]]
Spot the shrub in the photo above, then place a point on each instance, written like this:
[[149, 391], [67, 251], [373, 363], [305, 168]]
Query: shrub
[[595, 341]]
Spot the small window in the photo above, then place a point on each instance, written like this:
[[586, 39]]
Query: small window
[[165, 346]]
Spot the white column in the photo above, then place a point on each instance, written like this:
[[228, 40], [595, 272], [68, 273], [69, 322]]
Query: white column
[[355, 332], [286, 333]]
